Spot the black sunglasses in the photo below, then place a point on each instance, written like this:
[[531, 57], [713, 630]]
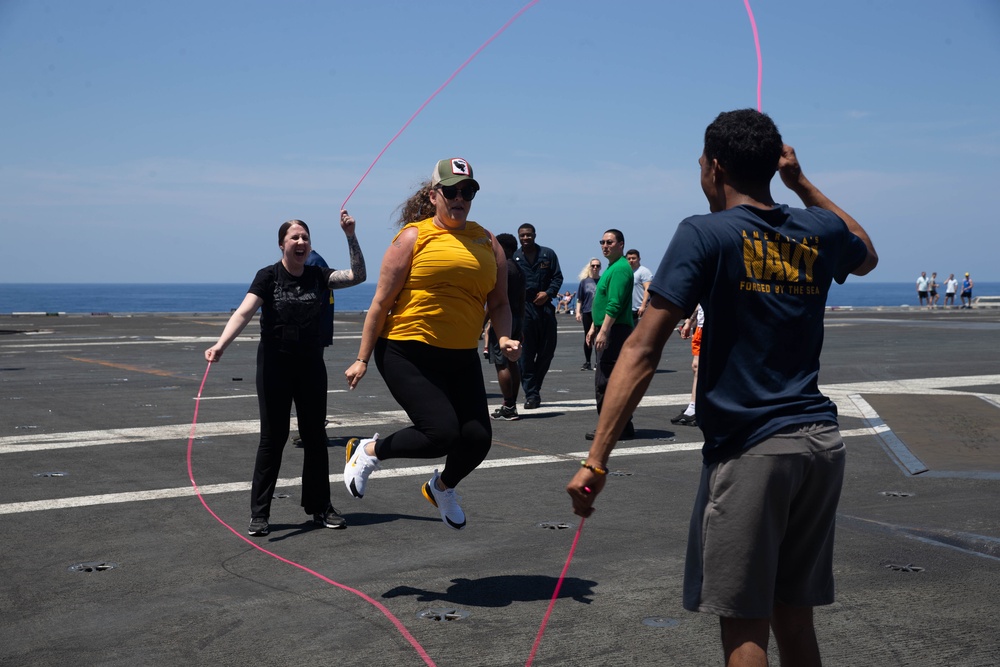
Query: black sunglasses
[[468, 191]]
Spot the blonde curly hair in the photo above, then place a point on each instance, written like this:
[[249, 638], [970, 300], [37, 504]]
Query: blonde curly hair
[[418, 207]]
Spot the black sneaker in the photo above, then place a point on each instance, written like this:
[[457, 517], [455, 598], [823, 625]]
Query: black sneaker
[[586, 366], [685, 420], [330, 518], [532, 402], [259, 527], [506, 413]]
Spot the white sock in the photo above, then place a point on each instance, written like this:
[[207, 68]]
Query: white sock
[[690, 409], [364, 448]]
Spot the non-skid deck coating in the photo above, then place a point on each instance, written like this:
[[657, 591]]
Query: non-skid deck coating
[[95, 414], [946, 433]]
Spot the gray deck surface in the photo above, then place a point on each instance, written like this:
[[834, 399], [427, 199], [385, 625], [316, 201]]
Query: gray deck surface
[[95, 414]]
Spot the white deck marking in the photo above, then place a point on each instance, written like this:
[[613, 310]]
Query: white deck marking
[[839, 393], [412, 471], [845, 395], [904, 457], [134, 340]]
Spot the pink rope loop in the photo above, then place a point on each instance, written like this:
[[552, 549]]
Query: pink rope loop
[[576, 539], [435, 94]]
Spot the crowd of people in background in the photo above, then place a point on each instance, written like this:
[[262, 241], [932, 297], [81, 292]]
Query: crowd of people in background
[[928, 290]]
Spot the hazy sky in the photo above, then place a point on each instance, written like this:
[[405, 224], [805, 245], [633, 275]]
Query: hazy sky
[[148, 141]]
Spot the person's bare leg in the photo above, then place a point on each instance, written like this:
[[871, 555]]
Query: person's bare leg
[[795, 635], [694, 380], [509, 379], [744, 641]]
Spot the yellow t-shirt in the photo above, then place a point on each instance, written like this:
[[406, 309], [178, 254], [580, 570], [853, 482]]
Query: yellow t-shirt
[[442, 300]]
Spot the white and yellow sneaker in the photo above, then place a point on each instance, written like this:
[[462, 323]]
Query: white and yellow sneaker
[[359, 466]]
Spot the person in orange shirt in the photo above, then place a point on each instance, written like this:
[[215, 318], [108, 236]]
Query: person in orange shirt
[[692, 329]]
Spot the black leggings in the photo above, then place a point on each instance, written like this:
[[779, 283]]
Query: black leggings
[[443, 393], [281, 379], [587, 319]]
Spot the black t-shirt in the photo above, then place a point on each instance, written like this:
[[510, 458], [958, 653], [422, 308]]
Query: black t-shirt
[[290, 314]]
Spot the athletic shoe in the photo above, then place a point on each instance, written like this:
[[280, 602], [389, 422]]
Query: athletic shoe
[[445, 501], [330, 518], [685, 420], [259, 527], [586, 366], [359, 466], [507, 413], [532, 402]]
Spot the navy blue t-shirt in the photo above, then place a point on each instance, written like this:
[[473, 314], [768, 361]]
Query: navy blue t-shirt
[[762, 277]]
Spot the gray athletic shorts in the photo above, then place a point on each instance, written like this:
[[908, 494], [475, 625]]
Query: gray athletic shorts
[[497, 357], [762, 525]]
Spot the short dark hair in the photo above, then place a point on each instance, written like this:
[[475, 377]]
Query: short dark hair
[[285, 226], [633, 251], [508, 243], [618, 235], [527, 225], [747, 144]]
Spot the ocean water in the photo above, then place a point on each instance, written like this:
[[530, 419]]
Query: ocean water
[[147, 298], [223, 298]]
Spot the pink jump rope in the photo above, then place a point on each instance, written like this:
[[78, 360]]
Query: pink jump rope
[[576, 539]]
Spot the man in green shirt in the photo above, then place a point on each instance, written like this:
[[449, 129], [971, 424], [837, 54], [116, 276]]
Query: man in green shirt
[[612, 312]]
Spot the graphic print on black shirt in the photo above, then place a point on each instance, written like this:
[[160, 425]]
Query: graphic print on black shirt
[[292, 305]]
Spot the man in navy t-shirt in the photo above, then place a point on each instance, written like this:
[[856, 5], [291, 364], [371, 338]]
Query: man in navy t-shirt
[[760, 546]]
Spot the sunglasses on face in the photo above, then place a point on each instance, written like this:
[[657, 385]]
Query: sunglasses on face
[[451, 191], [595, 266], [608, 242]]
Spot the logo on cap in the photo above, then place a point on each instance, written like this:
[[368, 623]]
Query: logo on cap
[[459, 166]]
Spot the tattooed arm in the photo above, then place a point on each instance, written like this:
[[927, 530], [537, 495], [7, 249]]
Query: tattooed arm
[[357, 273]]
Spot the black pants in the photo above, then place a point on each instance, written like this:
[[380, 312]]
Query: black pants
[[281, 379], [588, 320], [538, 346], [606, 360], [443, 394]]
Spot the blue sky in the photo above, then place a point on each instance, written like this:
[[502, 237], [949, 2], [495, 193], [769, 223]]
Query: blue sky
[[166, 141]]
